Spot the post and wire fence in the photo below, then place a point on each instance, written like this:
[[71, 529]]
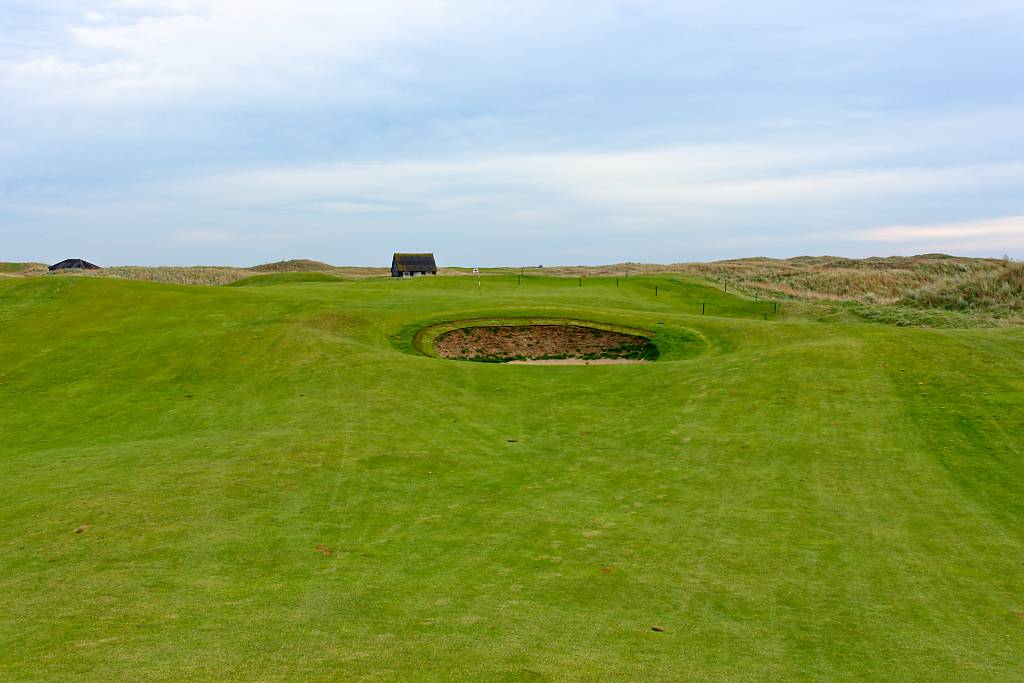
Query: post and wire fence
[[706, 308]]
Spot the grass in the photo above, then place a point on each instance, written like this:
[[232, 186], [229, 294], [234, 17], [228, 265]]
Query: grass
[[982, 292], [284, 277], [930, 290], [271, 483], [9, 268], [1000, 290]]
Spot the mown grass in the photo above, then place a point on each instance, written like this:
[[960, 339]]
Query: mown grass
[[284, 277], [272, 484]]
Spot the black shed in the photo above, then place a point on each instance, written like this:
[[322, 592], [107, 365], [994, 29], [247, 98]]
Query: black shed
[[67, 264], [410, 265]]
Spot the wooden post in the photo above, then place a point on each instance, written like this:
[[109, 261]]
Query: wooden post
[[616, 282], [702, 308], [726, 285], [775, 307], [581, 280], [655, 290]]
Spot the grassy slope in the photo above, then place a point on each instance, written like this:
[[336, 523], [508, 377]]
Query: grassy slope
[[284, 277], [801, 501], [9, 268]]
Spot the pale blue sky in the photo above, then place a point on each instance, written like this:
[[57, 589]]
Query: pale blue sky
[[241, 131]]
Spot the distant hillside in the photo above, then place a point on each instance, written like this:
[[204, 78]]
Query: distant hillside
[[293, 266]]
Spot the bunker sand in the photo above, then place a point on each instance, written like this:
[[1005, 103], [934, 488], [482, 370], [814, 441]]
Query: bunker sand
[[540, 343], [579, 361]]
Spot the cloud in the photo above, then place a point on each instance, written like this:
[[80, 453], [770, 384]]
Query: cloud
[[722, 176], [1010, 225], [969, 236], [123, 52], [116, 53]]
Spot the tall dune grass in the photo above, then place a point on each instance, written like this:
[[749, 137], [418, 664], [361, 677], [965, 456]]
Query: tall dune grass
[[180, 275], [1000, 290]]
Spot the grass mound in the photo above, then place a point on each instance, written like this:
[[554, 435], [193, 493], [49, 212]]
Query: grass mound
[[292, 266]]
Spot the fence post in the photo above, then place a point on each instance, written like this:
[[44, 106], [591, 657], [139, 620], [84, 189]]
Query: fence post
[[655, 290], [581, 280], [702, 307], [616, 282]]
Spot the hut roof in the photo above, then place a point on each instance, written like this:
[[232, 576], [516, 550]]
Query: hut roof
[[406, 263], [74, 263]]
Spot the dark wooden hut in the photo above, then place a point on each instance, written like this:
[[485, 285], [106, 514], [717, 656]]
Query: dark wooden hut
[[70, 263], [410, 265]]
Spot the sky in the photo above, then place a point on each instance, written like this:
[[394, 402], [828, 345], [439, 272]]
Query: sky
[[235, 132]]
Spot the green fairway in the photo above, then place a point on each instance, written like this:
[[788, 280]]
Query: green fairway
[[272, 483]]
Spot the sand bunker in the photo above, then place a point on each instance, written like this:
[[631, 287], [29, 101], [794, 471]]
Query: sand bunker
[[579, 361], [552, 344]]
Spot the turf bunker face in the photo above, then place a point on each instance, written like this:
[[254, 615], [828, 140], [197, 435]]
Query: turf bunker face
[[543, 343]]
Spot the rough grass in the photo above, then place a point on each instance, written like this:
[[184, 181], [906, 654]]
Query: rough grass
[[211, 275], [269, 483], [1000, 290], [8, 268], [871, 280], [178, 275], [293, 266], [980, 291]]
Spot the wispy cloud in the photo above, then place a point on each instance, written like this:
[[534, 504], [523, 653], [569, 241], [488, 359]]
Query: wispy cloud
[[993, 236], [1010, 225], [731, 176]]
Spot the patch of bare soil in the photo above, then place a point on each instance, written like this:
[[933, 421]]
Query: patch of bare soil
[[518, 343], [579, 361]]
